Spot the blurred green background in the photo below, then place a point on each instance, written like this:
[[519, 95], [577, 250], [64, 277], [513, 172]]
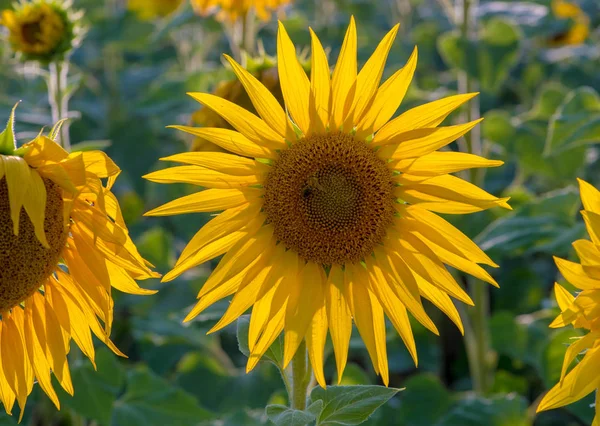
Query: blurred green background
[[540, 100]]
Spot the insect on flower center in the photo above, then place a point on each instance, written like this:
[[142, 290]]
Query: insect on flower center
[[25, 262], [329, 198]]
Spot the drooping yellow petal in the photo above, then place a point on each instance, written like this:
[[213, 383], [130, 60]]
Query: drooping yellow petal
[[100, 164], [368, 79], [272, 330], [306, 297], [424, 116], [578, 347], [207, 201], [18, 178], [339, 318], [295, 85], [7, 396], [422, 141], [316, 336], [592, 224], [387, 100], [263, 100], [230, 140], [35, 205], [248, 124], [441, 300], [320, 87], [344, 79]]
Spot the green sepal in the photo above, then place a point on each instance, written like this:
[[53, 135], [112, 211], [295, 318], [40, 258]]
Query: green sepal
[[8, 143]]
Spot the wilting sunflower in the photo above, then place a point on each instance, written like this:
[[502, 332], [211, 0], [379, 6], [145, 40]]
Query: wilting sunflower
[[581, 311], [579, 30], [43, 30], [63, 248], [232, 10], [328, 213], [152, 9]]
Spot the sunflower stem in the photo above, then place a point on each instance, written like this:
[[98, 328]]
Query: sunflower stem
[[249, 33], [476, 330], [59, 100], [301, 377]]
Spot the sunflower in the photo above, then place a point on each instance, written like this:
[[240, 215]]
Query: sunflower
[[148, 10], [232, 10], [43, 30], [580, 28], [328, 214], [63, 247], [581, 311]]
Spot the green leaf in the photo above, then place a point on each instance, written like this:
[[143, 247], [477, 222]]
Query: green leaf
[[489, 59], [416, 408], [96, 391], [576, 123], [274, 354], [498, 128], [151, 400], [350, 405], [285, 416], [8, 143], [503, 410]]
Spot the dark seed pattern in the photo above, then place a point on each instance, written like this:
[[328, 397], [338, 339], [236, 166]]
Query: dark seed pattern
[[24, 262], [330, 198]]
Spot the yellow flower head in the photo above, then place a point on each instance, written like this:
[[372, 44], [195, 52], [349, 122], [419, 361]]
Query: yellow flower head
[[43, 30], [328, 212], [148, 10], [580, 28], [232, 10], [581, 311], [63, 248]]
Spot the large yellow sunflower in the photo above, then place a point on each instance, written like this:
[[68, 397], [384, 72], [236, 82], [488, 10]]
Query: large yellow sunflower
[[232, 10], [581, 311], [328, 213], [63, 248]]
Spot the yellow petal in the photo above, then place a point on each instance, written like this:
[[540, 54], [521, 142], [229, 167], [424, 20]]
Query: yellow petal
[[441, 300], [7, 396], [449, 194], [320, 86], [442, 233], [271, 332], [424, 116], [387, 100], [339, 318], [203, 177], [100, 164], [369, 77], [206, 201], [263, 100], [577, 348], [35, 205], [590, 196], [574, 273], [242, 120], [442, 162], [18, 178], [306, 297], [344, 79], [230, 140], [592, 224], [218, 161], [423, 141], [316, 336], [294, 81]]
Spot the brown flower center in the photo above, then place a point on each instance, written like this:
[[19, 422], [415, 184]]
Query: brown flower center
[[25, 262], [330, 198], [31, 32]]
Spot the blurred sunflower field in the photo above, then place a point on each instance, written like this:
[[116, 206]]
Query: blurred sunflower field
[[101, 84]]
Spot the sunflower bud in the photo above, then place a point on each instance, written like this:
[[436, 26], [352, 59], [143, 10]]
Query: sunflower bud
[[42, 30]]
